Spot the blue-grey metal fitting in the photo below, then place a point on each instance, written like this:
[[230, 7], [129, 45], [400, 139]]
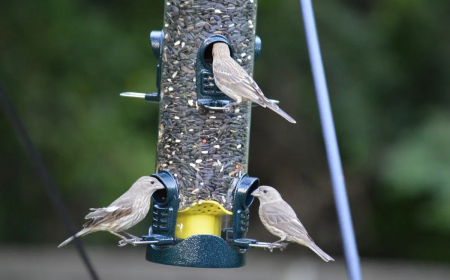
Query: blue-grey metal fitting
[[165, 209], [151, 97], [241, 213], [258, 47], [242, 201], [157, 42]]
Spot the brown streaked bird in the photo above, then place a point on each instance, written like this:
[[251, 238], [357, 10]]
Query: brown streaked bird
[[125, 212], [235, 82], [280, 219]]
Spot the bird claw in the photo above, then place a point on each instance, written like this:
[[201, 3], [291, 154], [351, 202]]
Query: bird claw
[[275, 244], [132, 241], [270, 247], [228, 108], [136, 239]]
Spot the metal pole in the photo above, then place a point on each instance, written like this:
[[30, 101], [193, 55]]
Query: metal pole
[[49, 186], [334, 160]]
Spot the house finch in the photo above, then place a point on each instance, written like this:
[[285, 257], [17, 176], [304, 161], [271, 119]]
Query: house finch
[[232, 80], [280, 220], [125, 212]]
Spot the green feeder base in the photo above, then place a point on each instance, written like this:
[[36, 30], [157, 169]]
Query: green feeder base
[[207, 251]]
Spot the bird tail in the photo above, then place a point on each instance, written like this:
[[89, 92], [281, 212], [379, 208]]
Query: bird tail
[[78, 234], [274, 107], [320, 253]]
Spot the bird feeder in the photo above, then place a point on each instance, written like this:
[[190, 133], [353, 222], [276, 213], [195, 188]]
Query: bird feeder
[[201, 218]]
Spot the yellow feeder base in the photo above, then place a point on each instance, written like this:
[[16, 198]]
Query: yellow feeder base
[[205, 218]]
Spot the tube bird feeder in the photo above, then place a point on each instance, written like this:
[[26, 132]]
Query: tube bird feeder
[[202, 150]]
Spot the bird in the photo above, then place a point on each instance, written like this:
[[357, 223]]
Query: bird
[[280, 219], [235, 82], [125, 212]]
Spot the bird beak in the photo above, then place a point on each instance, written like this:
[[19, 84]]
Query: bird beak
[[256, 193], [160, 187]]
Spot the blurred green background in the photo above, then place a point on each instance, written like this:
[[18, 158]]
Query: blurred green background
[[64, 63]]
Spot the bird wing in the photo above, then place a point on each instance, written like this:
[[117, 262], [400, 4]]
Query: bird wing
[[101, 212], [281, 215], [117, 209], [229, 74], [103, 216]]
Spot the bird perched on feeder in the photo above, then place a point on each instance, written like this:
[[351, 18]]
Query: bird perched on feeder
[[125, 212], [280, 220], [235, 82]]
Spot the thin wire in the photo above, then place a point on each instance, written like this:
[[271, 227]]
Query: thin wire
[[334, 160], [50, 188]]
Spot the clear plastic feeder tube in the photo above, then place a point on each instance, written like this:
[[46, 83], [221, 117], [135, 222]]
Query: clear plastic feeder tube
[[206, 151]]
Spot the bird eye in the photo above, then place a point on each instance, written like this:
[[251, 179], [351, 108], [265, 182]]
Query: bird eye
[[152, 182], [264, 191]]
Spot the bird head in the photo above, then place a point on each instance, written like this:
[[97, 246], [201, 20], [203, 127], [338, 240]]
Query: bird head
[[148, 184], [220, 50], [266, 193]]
